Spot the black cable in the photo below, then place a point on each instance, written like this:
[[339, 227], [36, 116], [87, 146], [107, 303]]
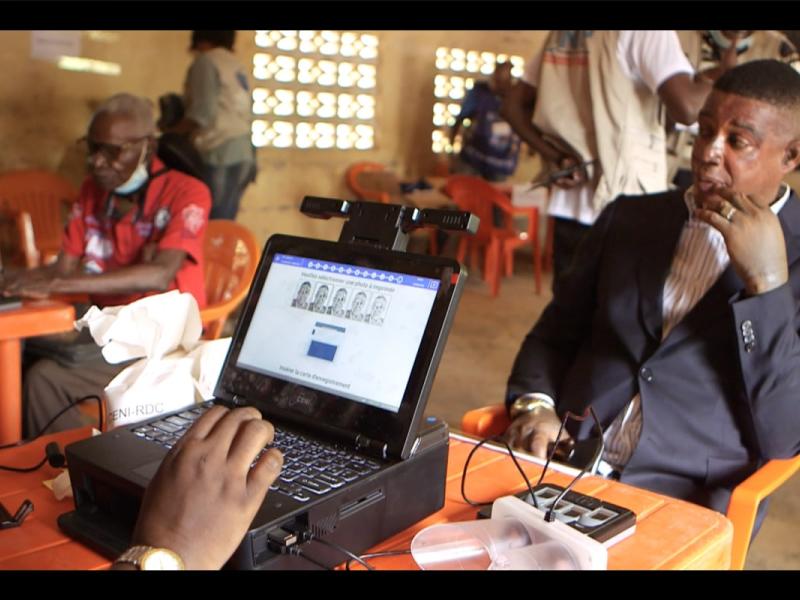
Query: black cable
[[499, 440], [297, 552], [19, 443], [343, 551], [550, 514], [24, 469], [553, 450], [72, 404], [378, 555]]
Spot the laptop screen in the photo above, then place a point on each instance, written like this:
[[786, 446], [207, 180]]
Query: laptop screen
[[340, 336], [340, 327]]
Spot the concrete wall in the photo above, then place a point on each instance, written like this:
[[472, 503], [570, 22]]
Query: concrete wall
[[44, 109], [403, 138]]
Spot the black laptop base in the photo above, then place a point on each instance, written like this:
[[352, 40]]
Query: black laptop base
[[356, 517]]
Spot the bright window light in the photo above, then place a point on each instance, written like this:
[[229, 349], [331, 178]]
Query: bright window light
[[89, 65], [316, 89], [457, 71]]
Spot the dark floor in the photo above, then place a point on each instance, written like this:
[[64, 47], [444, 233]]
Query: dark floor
[[479, 353]]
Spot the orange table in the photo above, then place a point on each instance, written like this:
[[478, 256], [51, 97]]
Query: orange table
[[670, 534], [36, 317]]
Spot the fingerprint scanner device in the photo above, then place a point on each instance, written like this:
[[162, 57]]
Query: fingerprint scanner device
[[589, 516], [337, 345], [516, 537]]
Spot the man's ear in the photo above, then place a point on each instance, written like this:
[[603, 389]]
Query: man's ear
[[791, 156]]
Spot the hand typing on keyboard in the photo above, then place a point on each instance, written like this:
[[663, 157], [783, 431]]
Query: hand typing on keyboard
[[206, 493]]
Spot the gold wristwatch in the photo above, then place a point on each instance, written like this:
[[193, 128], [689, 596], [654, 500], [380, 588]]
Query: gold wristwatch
[[527, 403], [147, 558]]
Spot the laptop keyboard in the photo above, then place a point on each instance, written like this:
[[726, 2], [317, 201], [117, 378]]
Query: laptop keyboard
[[309, 467]]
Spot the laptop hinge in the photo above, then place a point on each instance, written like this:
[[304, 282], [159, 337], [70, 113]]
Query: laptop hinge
[[371, 447]]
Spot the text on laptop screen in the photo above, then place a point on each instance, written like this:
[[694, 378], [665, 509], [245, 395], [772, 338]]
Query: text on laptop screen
[[349, 330]]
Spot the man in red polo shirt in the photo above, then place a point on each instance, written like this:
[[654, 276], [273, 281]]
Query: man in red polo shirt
[[136, 229]]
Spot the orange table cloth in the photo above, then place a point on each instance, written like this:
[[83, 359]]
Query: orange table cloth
[[670, 534]]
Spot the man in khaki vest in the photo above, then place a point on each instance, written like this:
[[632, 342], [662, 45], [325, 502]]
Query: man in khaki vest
[[704, 49], [218, 119], [594, 98]]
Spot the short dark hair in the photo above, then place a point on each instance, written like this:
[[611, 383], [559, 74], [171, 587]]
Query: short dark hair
[[769, 81], [216, 37]]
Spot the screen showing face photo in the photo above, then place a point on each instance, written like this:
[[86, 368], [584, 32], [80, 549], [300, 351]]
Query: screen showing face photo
[[344, 329]]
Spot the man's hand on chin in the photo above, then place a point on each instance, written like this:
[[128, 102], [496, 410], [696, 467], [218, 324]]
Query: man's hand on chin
[[753, 236]]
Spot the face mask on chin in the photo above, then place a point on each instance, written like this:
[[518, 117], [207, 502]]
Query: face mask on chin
[[137, 179], [723, 43]]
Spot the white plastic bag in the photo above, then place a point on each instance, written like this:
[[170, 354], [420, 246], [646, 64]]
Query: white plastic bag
[[176, 369]]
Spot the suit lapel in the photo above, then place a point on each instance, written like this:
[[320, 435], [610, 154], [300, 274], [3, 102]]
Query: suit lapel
[[655, 261]]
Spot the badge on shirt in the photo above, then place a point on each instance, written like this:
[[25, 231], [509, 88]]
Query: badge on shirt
[[144, 229], [193, 218], [92, 267], [162, 218], [98, 246]]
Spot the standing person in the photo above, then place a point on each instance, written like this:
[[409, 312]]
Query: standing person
[[217, 117], [491, 148], [595, 97]]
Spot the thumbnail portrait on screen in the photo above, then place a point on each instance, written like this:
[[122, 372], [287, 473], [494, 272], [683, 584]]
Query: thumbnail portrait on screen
[[320, 298], [337, 305], [301, 295]]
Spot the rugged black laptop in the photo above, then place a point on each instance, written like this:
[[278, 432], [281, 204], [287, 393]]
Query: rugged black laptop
[[337, 346]]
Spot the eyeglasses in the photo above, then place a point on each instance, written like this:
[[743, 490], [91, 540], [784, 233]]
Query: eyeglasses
[[111, 152]]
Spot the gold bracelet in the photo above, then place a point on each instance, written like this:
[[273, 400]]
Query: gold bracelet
[[527, 403]]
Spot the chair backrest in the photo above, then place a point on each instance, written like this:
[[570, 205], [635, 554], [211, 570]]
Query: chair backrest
[[47, 197], [478, 196], [231, 257], [372, 181], [17, 245]]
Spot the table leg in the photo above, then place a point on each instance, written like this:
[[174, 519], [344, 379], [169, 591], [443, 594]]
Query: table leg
[[10, 391]]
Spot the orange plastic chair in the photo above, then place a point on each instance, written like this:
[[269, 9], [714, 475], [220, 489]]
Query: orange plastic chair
[[493, 420], [231, 257], [47, 197], [745, 500], [17, 245], [499, 242]]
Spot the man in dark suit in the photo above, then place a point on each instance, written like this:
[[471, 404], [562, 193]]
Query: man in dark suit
[[679, 322]]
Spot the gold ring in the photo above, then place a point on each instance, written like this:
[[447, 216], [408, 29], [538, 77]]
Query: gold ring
[[730, 214]]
